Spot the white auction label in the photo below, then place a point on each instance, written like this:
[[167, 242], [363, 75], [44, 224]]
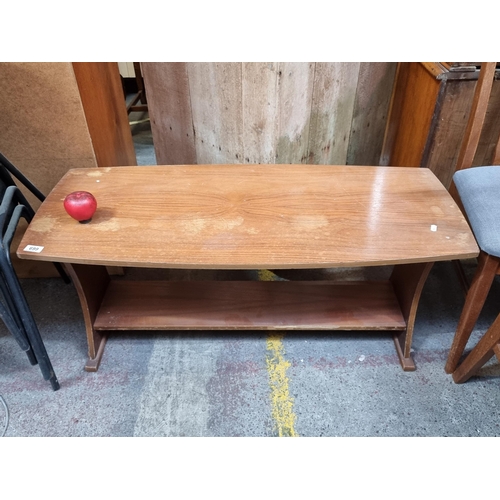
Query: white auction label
[[33, 248]]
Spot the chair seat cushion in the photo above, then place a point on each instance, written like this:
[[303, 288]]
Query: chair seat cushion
[[479, 190]]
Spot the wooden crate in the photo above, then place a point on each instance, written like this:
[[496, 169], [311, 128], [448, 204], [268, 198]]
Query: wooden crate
[[428, 116]]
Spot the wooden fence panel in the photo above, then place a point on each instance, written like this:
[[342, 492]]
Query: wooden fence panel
[[285, 112]]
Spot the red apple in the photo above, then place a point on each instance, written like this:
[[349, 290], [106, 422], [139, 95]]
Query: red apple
[[80, 205]]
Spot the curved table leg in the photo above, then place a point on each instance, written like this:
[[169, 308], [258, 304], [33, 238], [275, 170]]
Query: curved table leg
[[91, 283], [408, 281]]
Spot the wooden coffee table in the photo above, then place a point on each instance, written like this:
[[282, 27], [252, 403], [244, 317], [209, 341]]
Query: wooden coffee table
[[251, 217]]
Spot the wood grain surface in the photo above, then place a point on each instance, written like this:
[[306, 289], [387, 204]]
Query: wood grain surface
[[335, 87], [169, 106], [249, 305], [412, 109], [268, 112], [476, 116], [373, 95], [253, 217], [103, 102]]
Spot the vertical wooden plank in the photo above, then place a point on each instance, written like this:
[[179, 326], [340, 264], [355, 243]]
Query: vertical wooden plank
[[371, 107], [295, 90], [331, 115], [395, 112], [485, 154], [476, 116], [448, 135], [169, 106], [216, 103], [106, 114], [413, 108], [259, 112]]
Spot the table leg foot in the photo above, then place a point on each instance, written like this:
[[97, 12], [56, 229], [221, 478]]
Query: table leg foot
[[406, 362], [408, 281], [91, 283], [92, 364]]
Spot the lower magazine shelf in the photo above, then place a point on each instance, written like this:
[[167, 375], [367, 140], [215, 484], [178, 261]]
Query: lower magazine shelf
[[249, 305]]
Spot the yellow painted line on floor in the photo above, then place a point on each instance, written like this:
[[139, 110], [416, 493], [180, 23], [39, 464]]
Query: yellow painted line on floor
[[281, 401], [277, 366], [266, 275]]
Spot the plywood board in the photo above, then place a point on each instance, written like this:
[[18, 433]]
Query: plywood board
[[43, 130], [169, 106], [332, 109]]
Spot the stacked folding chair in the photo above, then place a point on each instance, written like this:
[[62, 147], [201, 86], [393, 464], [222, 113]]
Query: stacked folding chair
[[14, 309]]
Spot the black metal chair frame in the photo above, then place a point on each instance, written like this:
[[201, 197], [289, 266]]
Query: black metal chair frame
[[14, 310], [6, 174], [16, 314]]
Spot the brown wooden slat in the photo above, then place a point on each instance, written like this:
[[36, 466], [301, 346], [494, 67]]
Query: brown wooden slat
[[333, 97], [411, 115], [295, 90], [249, 305], [253, 217], [259, 109], [453, 106], [476, 117], [169, 106], [436, 69], [496, 155], [216, 94], [488, 151], [106, 113], [373, 95]]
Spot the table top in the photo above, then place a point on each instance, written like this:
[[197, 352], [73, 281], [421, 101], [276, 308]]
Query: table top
[[252, 217]]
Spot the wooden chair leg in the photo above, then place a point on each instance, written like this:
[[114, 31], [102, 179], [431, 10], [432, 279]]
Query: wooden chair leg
[[484, 350], [474, 302]]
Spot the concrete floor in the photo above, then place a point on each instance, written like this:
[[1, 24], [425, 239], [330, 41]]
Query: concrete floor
[[221, 384]]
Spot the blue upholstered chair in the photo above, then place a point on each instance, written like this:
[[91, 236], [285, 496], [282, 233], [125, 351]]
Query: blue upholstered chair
[[479, 191]]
